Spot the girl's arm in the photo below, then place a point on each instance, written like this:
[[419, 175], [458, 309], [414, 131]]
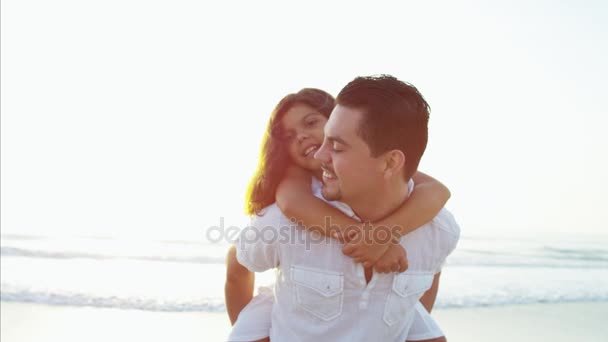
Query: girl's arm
[[296, 200], [425, 202], [238, 289]]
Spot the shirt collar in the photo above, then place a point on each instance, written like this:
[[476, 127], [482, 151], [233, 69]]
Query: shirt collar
[[317, 190]]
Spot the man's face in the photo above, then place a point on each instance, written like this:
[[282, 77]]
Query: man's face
[[349, 170]]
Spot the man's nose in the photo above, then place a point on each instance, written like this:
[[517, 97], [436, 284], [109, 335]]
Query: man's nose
[[322, 153]]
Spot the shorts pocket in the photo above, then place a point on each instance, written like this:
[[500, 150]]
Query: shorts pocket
[[407, 289], [318, 292]]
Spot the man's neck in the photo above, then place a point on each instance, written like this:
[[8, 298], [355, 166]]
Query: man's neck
[[380, 204]]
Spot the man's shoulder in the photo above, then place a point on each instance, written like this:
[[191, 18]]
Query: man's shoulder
[[431, 243], [445, 221]]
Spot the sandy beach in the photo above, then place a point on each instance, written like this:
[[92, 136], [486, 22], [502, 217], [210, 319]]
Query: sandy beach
[[22, 322]]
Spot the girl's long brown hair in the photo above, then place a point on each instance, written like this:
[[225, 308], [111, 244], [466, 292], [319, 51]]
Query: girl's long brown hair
[[274, 158]]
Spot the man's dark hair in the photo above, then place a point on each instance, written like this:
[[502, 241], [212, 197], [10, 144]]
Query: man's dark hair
[[395, 116]]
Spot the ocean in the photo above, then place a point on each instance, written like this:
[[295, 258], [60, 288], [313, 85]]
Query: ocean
[[188, 276]]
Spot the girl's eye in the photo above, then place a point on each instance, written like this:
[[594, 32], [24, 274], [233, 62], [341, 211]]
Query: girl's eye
[[335, 149], [311, 123], [288, 136]]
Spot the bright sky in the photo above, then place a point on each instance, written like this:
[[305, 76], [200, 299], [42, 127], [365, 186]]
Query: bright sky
[[144, 118]]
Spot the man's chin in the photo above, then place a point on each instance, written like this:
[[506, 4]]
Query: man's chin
[[330, 195]]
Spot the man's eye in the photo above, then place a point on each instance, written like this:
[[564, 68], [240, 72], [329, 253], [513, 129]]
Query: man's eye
[[335, 149]]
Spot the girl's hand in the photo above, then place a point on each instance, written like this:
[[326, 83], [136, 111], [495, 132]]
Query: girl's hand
[[394, 260], [373, 249], [365, 251]]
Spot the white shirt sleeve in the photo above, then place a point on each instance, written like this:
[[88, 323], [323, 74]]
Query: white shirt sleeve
[[448, 239], [424, 326], [257, 247]]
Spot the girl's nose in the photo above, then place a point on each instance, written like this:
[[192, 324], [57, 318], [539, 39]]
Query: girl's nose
[[302, 136]]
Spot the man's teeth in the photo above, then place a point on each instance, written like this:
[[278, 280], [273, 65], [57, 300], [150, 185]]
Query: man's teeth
[[326, 174], [310, 150]]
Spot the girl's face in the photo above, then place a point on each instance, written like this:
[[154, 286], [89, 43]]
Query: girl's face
[[303, 132]]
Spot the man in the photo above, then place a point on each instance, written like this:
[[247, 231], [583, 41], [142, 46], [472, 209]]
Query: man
[[374, 140]]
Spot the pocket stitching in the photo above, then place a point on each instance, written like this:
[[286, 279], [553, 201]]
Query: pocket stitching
[[339, 292], [324, 292], [396, 295], [414, 276]]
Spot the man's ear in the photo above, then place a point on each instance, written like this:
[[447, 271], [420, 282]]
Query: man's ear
[[394, 163]]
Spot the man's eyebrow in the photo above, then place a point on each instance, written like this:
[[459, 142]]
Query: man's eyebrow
[[337, 139]]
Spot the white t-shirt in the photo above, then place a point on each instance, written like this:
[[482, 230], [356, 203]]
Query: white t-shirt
[[321, 294]]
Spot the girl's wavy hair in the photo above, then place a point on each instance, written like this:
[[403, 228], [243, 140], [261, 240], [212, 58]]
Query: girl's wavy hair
[[274, 157]]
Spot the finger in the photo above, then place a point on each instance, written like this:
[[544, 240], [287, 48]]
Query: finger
[[367, 264], [381, 268], [351, 234], [367, 259], [358, 254], [338, 236], [358, 257], [356, 251], [348, 249], [403, 260], [354, 254], [404, 265]]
